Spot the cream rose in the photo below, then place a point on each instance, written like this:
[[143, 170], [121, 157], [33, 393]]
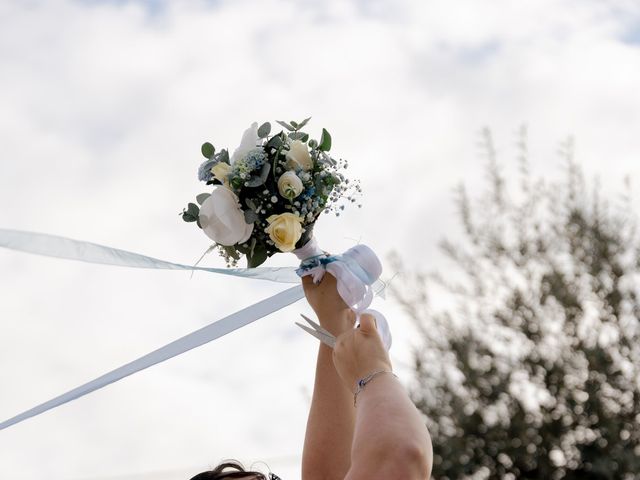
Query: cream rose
[[290, 185], [221, 171], [285, 230], [298, 156], [222, 219]]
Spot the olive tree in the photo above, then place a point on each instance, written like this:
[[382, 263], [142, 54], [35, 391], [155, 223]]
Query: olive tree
[[528, 365]]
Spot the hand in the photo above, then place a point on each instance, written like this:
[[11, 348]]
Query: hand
[[359, 352], [326, 301]]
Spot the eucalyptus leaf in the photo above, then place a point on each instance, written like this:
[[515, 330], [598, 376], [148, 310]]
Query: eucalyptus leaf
[[305, 137], [258, 180], [223, 156], [208, 150], [188, 218], [313, 143], [202, 197], [294, 124], [264, 130], [251, 204], [303, 123], [325, 141], [296, 135], [286, 125], [193, 210], [250, 216], [275, 142]]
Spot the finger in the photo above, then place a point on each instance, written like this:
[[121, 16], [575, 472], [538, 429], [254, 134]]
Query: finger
[[368, 323]]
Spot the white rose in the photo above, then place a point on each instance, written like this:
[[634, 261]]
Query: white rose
[[290, 185], [298, 156], [222, 219], [249, 141]]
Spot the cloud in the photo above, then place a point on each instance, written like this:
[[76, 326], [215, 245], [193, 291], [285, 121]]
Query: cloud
[[105, 106]]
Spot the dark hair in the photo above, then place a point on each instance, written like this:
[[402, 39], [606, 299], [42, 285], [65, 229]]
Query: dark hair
[[231, 469]]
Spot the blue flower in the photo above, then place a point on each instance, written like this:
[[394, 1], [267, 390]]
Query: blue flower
[[255, 159], [309, 192], [204, 171]]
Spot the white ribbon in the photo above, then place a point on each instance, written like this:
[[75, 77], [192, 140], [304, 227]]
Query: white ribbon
[[62, 247], [357, 271], [188, 342]]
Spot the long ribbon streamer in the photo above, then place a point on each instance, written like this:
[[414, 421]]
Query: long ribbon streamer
[[62, 247], [195, 339], [356, 271]]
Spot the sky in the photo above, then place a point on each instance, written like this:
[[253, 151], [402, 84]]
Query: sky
[[104, 106]]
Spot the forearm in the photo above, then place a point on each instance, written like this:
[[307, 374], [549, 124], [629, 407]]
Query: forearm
[[390, 438], [329, 435]]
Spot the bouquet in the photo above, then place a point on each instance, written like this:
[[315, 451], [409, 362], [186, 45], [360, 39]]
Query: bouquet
[[269, 193]]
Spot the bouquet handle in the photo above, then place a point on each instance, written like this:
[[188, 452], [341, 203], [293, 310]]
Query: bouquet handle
[[356, 271]]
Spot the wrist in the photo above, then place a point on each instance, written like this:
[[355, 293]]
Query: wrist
[[363, 372], [377, 382], [337, 321]]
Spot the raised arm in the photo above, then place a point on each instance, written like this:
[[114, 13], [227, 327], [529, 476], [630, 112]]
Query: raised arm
[[329, 435], [390, 439]]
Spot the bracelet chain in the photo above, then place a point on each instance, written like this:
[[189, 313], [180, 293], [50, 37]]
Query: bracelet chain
[[360, 384]]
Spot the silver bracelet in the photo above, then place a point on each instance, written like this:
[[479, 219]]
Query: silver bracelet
[[360, 384]]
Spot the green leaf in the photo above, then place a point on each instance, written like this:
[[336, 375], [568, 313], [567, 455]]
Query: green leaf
[[325, 141], [305, 137], [223, 156], [275, 142], [297, 135], [250, 216], [251, 204], [313, 143], [258, 180], [193, 210], [294, 124], [286, 125], [202, 197], [208, 150], [258, 257], [188, 218], [264, 130], [303, 123]]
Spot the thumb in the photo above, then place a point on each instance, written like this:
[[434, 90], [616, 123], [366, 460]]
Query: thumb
[[368, 323]]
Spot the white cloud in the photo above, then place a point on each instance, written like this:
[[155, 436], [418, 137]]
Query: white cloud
[[104, 107]]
